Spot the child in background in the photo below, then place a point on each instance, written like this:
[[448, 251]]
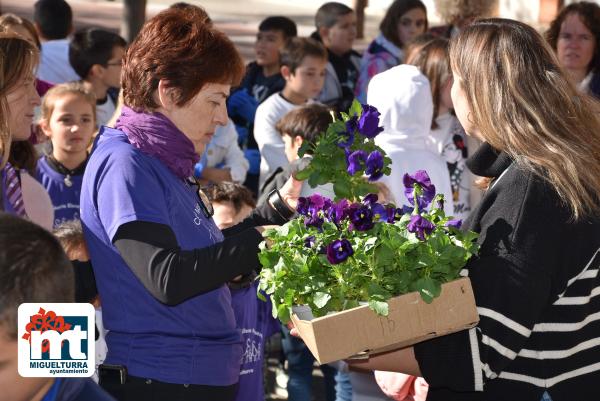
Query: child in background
[[41, 276], [233, 203], [69, 121], [406, 115], [53, 20], [96, 55], [403, 21], [223, 160], [263, 78], [70, 236], [336, 28], [447, 136], [304, 123], [303, 63]]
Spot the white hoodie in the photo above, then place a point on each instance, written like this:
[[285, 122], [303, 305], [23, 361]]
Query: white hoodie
[[403, 97]]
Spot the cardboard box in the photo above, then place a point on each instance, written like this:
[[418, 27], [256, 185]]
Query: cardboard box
[[410, 320]]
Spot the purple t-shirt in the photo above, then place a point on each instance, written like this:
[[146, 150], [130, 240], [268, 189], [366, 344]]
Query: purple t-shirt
[[194, 342], [65, 199], [257, 324]]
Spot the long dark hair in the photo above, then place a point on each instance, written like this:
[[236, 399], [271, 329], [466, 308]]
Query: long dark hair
[[589, 13]]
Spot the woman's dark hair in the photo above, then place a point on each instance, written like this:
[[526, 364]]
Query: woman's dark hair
[[178, 47], [589, 13], [23, 156], [389, 24]]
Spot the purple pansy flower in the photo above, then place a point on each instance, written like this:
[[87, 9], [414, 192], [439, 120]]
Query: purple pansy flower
[[361, 217], [309, 241], [338, 251], [347, 137], [313, 208], [422, 179], [302, 206], [338, 211], [370, 199], [368, 124], [420, 226], [391, 214], [374, 165], [456, 223], [355, 161]]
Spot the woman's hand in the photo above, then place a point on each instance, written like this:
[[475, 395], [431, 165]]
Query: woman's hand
[[290, 192]]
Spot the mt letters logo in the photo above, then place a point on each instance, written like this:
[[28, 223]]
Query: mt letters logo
[[56, 340]]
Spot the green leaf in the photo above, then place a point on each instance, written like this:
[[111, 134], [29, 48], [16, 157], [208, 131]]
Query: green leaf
[[303, 174], [283, 313], [379, 307], [384, 255], [355, 109], [428, 288], [320, 299]]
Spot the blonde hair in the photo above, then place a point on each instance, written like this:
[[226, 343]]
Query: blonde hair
[[431, 57], [69, 88], [9, 20], [523, 104], [18, 59], [453, 11]]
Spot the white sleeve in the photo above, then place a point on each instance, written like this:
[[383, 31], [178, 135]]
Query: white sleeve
[[270, 143], [234, 158]]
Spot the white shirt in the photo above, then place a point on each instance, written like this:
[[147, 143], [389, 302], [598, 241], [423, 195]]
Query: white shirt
[[54, 63], [446, 140], [223, 151], [105, 111], [270, 143], [403, 97]]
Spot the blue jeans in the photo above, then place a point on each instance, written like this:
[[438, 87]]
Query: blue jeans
[[300, 367], [343, 387]]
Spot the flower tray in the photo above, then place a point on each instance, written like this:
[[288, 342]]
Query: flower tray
[[410, 320]]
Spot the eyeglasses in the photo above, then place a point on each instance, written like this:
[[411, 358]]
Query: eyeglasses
[[115, 63], [207, 208]]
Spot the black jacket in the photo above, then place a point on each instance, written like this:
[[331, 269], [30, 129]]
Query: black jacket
[[535, 281]]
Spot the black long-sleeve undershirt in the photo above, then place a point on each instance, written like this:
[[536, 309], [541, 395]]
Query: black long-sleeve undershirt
[[173, 275]]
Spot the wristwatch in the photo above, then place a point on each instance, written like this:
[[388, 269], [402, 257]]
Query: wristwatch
[[279, 205]]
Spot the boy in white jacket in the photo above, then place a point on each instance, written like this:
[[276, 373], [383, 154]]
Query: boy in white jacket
[[403, 97]]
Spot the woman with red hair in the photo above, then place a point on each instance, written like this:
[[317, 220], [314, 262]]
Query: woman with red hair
[[159, 259]]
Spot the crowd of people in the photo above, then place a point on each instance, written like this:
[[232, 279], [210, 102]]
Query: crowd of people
[[157, 165]]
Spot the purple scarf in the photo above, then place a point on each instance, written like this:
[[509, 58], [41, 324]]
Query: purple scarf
[[155, 135]]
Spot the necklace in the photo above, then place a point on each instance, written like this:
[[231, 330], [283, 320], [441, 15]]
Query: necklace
[[68, 173]]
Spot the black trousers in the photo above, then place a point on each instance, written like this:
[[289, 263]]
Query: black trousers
[[139, 389]]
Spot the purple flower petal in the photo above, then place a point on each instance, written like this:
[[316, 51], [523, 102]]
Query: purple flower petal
[[456, 223], [355, 161], [338, 251], [374, 165], [422, 179], [420, 226], [368, 124]]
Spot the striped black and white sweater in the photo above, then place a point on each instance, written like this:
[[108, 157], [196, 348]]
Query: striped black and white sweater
[[536, 286]]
